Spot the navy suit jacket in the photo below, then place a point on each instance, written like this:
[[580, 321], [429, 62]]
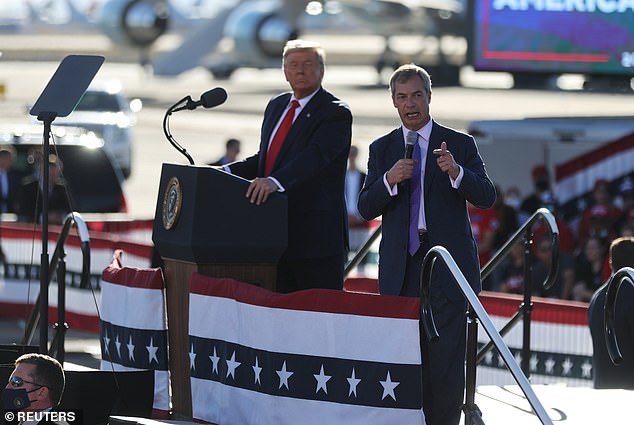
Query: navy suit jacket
[[445, 208], [311, 166], [13, 192]]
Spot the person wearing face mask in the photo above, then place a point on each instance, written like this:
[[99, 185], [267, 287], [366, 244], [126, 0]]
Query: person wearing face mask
[[35, 385], [541, 186]]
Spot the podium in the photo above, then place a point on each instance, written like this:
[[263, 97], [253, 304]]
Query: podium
[[204, 223]]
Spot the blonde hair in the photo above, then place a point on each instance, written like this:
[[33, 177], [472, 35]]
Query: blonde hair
[[299, 44]]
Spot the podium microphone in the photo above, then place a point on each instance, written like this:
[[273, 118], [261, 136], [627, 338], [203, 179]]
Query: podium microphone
[[209, 99]]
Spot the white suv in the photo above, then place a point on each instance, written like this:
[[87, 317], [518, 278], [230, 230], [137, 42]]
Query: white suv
[[106, 111]]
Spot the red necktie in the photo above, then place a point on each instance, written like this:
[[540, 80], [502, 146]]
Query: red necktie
[[279, 137]]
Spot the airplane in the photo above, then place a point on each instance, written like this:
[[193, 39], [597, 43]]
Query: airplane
[[251, 33]]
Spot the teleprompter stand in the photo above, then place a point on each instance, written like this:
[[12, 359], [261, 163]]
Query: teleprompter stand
[[59, 98]]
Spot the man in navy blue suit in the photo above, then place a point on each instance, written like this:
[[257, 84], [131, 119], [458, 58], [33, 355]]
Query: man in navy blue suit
[[449, 173], [309, 166], [605, 374]]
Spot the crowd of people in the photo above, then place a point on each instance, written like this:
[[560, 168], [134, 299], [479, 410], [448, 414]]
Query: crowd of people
[[583, 243]]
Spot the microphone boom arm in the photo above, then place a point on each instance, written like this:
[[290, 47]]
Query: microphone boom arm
[[168, 134]]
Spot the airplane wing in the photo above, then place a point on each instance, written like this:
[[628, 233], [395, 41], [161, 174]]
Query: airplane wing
[[197, 44], [258, 29]]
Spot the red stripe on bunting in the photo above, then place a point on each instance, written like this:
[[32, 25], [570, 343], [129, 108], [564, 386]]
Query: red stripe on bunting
[[318, 300], [130, 277], [544, 310]]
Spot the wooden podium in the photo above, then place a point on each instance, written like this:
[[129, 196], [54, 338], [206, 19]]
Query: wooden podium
[[204, 223]]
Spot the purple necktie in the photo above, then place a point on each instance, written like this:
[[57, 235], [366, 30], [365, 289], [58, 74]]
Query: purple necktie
[[414, 202]]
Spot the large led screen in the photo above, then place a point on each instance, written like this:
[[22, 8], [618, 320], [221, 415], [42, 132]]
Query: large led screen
[[553, 36]]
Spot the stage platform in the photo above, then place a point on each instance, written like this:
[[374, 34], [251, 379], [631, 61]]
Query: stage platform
[[130, 420], [565, 405], [504, 405]]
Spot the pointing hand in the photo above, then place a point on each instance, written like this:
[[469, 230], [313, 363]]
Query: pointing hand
[[446, 161]]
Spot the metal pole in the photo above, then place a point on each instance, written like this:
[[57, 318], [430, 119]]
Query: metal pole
[[47, 118], [470, 408], [61, 326], [528, 306]]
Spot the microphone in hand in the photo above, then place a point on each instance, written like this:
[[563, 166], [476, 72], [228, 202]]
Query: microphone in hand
[[410, 142]]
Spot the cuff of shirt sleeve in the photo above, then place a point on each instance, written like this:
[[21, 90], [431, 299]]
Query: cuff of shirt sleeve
[[280, 188], [393, 191], [456, 183]]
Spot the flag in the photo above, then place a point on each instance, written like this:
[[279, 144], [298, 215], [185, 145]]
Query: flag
[[134, 326], [310, 357]]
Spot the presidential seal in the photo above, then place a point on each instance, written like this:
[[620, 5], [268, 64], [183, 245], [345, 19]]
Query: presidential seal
[[172, 203]]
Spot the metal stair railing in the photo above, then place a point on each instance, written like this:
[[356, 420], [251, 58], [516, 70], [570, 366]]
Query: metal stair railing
[[614, 284], [58, 264], [525, 309], [362, 252], [476, 311]]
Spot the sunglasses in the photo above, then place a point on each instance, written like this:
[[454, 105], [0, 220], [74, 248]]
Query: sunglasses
[[16, 381]]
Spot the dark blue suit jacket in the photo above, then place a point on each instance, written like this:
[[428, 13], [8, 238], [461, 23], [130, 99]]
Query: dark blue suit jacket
[[311, 166], [445, 207]]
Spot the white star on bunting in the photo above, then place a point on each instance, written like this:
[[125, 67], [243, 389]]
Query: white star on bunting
[[117, 344], [192, 358], [353, 382], [151, 349], [284, 375], [586, 369], [214, 362], [534, 361], [322, 379], [257, 370], [388, 387], [232, 365], [130, 349], [106, 342]]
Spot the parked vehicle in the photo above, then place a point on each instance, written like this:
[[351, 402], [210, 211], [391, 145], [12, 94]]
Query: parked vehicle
[[106, 111], [93, 183]]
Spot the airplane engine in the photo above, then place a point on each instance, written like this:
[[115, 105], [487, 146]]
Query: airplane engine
[[137, 23], [258, 32]]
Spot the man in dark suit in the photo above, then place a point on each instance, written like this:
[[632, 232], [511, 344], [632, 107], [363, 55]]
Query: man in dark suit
[[604, 373], [308, 164], [449, 173], [354, 183], [9, 181], [36, 385], [232, 150], [31, 195]]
